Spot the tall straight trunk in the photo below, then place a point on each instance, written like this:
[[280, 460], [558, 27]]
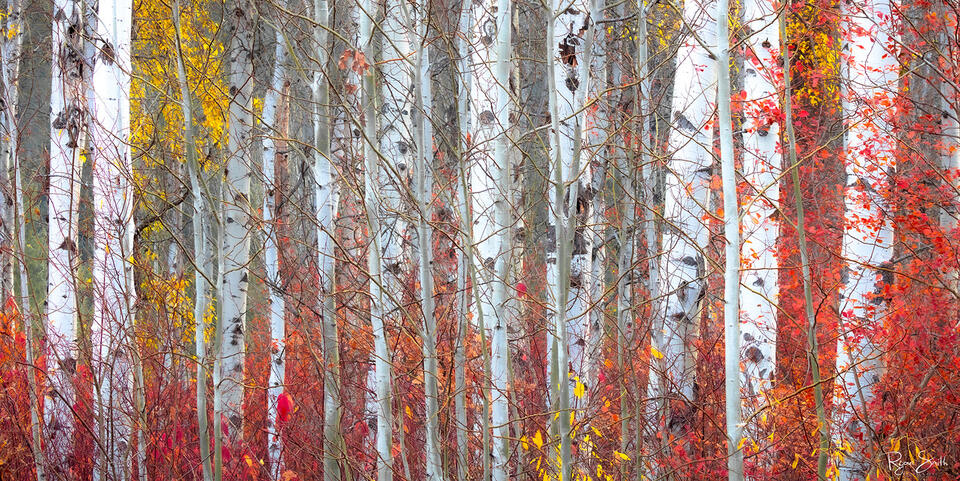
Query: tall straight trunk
[[950, 160], [500, 170], [872, 73], [483, 196], [568, 256], [648, 172], [424, 198], [382, 369], [599, 147], [731, 230], [464, 263], [10, 48], [682, 266], [115, 349], [228, 379], [68, 128], [567, 280], [200, 278], [14, 215], [762, 166], [275, 285], [327, 198]]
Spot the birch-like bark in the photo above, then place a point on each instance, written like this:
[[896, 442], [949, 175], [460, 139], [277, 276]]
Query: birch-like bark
[[200, 254], [14, 217], [464, 263], [382, 368], [568, 256], [567, 279], [114, 345], [950, 161], [483, 194], [327, 198], [599, 146], [762, 167], [682, 266], [68, 128], [228, 377], [424, 198], [731, 230], [275, 285], [10, 47], [872, 72], [500, 170]]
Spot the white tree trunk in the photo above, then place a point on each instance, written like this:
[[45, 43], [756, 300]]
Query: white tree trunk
[[500, 170], [483, 190], [950, 160], [10, 48], [568, 257], [682, 266], [872, 72], [599, 146], [235, 249], [68, 129], [201, 281], [464, 266], [114, 344], [424, 197], [731, 230], [275, 285], [381, 379], [762, 167], [327, 199]]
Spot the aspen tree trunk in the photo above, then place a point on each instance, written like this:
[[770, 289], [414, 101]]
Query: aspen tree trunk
[[483, 193], [872, 73], [731, 230], [465, 262], [275, 284], [424, 197], [599, 140], [10, 47], [228, 382], [570, 70], [201, 279], [115, 349], [14, 217], [950, 159], [568, 257], [382, 368], [625, 176], [647, 143], [762, 166], [682, 266], [68, 126], [327, 198], [500, 170], [398, 146]]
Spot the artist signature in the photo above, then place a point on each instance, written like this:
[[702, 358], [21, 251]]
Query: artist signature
[[920, 464]]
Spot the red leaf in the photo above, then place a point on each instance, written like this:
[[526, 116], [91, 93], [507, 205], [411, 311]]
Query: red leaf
[[284, 407]]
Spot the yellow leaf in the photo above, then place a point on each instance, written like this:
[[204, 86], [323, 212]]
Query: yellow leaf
[[796, 460], [622, 456], [523, 442], [538, 440], [579, 390], [409, 413], [743, 441], [657, 354]]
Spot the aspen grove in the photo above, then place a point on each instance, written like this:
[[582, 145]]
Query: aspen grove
[[486, 240]]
